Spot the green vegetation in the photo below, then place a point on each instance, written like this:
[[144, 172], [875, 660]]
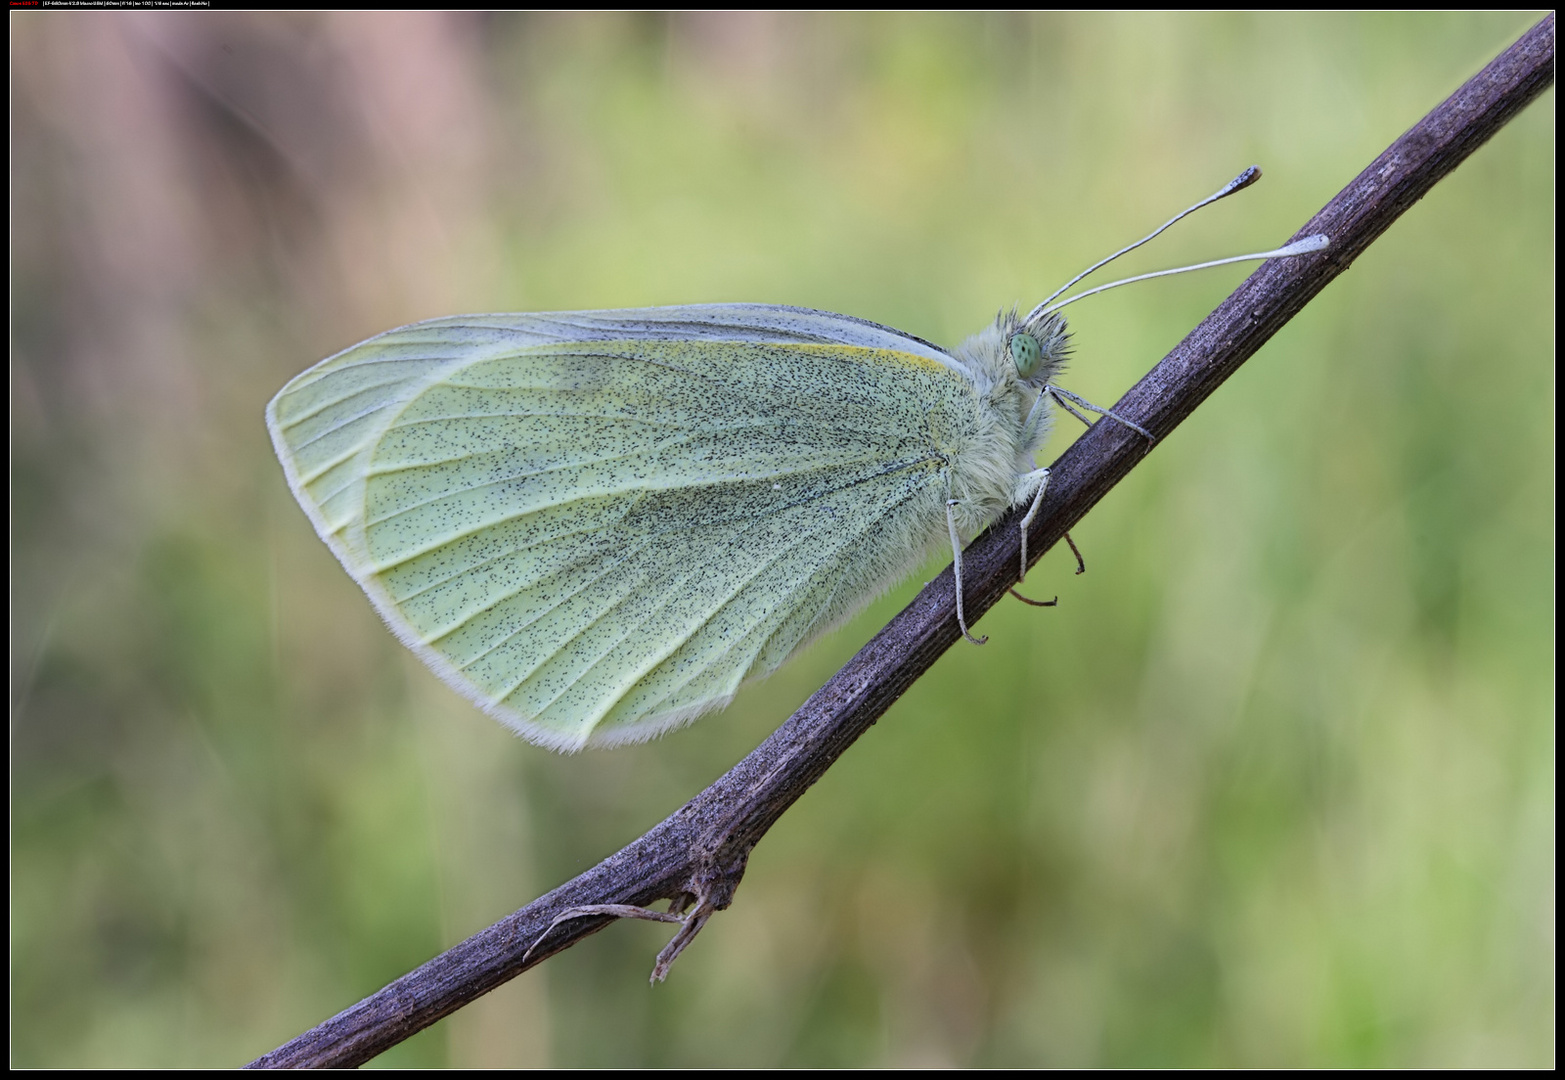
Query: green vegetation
[[1272, 786]]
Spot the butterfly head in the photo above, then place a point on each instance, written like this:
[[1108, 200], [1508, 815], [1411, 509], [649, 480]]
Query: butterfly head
[[1038, 347], [1015, 352]]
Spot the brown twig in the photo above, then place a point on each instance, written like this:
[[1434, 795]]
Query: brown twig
[[696, 857]]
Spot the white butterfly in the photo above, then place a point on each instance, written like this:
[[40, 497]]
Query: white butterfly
[[597, 525]]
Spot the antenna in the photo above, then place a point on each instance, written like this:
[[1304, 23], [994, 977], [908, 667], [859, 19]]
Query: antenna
[[1238, 183], [1307, 246]]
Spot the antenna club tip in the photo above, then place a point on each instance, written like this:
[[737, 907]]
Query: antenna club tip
[[1310, 244], [1238, 183]]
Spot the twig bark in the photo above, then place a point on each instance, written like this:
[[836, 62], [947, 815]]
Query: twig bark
[[698, 854]]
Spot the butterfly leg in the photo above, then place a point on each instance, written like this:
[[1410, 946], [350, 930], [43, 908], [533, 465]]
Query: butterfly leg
[[956, 569], [1081, 564], [1065, 397], [1039, 480]]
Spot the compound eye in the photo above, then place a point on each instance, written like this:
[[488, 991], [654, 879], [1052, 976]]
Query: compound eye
[[1027, 354]]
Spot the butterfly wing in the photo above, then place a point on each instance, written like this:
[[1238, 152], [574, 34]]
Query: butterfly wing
[[598, 524]]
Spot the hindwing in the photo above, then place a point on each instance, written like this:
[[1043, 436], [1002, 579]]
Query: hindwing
[[598, 524]]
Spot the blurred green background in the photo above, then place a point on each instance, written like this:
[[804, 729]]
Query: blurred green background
[[1273, 786]]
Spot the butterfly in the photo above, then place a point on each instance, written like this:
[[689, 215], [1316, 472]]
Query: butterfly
[[598, 524]]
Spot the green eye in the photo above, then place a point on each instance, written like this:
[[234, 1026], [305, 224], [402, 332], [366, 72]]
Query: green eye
[[1027, 353]]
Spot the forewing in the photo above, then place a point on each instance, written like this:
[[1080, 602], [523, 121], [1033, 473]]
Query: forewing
[[598, 524]]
